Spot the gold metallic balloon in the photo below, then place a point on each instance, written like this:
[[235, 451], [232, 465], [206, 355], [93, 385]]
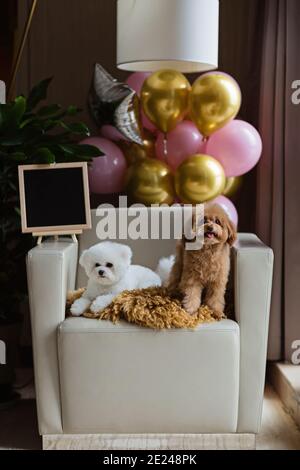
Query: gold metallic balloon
[[214, 101], [165, 98], [149, 182], [134, 152], [200, 178], [232, 185]]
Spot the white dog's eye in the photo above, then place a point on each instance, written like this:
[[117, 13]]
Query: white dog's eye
[[97, 265], [109, 265]]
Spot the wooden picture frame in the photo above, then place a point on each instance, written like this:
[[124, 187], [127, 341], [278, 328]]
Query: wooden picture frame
[[58, 229]]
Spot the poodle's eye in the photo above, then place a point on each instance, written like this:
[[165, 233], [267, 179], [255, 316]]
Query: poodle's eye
[[97, 265], [109, 265], [205, 220], [218, 222]]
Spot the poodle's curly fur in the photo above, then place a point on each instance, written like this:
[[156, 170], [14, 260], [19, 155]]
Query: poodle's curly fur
[[201, 276]]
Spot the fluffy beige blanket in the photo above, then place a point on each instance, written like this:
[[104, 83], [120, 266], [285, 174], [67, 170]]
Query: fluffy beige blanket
[[151, 308]]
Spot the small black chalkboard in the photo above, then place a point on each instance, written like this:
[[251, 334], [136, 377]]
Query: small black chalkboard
[[54, 198]]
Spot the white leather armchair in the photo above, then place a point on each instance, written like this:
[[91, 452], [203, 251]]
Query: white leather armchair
[[94, 379]]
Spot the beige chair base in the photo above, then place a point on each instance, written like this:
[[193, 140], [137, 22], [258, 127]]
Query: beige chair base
[[149, 442]]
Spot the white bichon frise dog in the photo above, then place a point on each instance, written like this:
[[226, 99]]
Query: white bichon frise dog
[[108, 267]]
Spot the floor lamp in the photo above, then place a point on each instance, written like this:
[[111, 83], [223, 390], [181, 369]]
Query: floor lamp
[[20, 50]]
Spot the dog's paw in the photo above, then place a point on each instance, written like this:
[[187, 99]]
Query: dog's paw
[[79, 307], [217, 309], [96, 307], [190, 305], [100, 303], [218, 314]]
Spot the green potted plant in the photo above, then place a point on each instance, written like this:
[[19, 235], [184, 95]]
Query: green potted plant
[[29, 133]]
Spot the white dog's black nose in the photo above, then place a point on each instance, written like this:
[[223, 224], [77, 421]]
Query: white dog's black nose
[[100, 272]]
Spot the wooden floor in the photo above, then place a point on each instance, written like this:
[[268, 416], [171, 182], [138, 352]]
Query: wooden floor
[[18, 429], [279, 431]]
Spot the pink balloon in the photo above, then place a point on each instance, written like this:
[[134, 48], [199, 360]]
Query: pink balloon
[[202, 147], [136, 80], [107, 173], [238, 147], [184, 141], [110, 132], [228, 207]]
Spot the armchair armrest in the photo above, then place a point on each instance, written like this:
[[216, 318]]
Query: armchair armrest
[[253, 272], [51, 271]]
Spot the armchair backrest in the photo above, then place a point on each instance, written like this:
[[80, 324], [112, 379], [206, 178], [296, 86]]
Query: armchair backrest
[[147, 251]]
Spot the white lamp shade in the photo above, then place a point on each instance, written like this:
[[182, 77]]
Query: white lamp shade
[[179, 34]]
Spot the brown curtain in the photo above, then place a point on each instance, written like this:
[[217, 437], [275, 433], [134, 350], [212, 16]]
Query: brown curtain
[[278, 184], [259, 42]]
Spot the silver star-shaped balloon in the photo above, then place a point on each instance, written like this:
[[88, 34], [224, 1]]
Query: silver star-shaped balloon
[[115, 103]]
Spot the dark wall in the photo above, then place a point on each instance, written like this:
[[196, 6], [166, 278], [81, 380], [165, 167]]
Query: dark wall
[[241, 36], [8, 25], [67, 37]]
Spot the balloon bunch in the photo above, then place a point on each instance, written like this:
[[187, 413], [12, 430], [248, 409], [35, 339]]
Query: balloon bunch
[[182, 144]]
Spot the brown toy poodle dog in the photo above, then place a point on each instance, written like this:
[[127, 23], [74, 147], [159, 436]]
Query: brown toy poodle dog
[[200, 276]]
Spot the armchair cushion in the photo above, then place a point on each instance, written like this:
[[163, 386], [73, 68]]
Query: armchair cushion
[[126, 379]]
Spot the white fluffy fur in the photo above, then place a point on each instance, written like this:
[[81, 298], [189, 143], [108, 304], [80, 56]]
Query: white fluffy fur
[[164, 268], [106, 281]]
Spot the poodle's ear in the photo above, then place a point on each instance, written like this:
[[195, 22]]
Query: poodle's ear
[[83, 258], [85, 261], [126, 254], [232, 234], [191, 228]]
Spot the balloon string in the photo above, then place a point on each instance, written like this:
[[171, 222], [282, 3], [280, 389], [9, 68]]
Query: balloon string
[[205, 142], [165, 146]]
